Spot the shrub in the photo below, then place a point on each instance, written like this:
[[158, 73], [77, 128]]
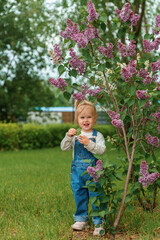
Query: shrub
[[32, 136]]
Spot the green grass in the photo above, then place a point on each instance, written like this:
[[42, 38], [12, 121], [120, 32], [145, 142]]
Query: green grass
[[36, 200]]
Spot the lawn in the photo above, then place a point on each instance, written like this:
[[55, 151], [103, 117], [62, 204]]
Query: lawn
[[36, 200]]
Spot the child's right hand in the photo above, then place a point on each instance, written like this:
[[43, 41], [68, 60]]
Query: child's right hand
[[71, 132]]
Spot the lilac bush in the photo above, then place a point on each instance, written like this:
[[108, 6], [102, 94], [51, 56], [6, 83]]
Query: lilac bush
[[121, 77], [147, 178]]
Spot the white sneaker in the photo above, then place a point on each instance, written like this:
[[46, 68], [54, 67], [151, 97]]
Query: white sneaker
[[97, 231], [80, 225]]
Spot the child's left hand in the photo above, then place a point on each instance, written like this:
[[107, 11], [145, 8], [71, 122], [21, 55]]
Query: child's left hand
[[84, 140]]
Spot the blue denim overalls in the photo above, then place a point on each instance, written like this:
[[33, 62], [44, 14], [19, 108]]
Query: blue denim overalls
[[81, 194]]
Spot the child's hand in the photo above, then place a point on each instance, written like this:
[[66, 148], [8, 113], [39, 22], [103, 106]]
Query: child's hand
[[71, 132], [84, 140]]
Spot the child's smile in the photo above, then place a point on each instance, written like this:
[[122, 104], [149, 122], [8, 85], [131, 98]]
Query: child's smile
[[86, 120]]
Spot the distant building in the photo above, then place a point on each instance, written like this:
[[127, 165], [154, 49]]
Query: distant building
[[51, 115], [59, 115]]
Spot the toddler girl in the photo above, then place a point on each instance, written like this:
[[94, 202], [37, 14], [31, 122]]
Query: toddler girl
[[89, 142]]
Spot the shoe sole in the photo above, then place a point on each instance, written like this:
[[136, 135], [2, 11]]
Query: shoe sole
[[80, 229]]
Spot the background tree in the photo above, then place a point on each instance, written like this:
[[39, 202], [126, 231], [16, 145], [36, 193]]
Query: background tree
[[24, 29]]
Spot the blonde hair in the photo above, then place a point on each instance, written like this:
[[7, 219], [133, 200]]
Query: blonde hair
[[79, 107]]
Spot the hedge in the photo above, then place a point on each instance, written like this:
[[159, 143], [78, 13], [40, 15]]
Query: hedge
[[32, 136]]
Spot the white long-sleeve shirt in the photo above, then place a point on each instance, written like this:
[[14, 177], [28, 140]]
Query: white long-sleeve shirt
[[97, 147]]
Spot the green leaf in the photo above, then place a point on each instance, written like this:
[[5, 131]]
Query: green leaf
[[116, 20], [103, 26], [101, 67], [85, 172], [102, 214], [128, 199], [148, 36], [130, 102], [61, 69], [67, 95], [86, 160], [103, 17], [157, 28], [108, 65], [132, 90], [73, 73], [78, 131], [92, 200], [141, 103]]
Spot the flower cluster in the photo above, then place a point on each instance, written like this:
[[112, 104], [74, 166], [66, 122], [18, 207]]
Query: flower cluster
[[93, 171], [155, 66], [157, 116], [129, 70], [93, 15], [59, 83], [158, 85], [147, 178], [56, 54], [142, 94], [76, 63], [79, 96], [149, 46], [81, 38], [130, 51], [157, 25], [116, 121], [107, 51], [147, 77], [125, 14], [93, 92], [154, 141]]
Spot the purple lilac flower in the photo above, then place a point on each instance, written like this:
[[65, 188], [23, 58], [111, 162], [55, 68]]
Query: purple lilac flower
[[157, 24], [117, 123], [133, 18], [71, 29], [141, 94], [144, 181], [127, 52], [107, 51], [148, 104], [149, 46], [57, 50], [93, 171], [144, 73], [76, 63], [144, 168], [93, 92], [147, 178], [153, 177], [158, 85], [113, 115], [129, 70], [93, 15], [59, 83], [79, 96], [155, 66], [126, 14], [154, 141], [157, 116], [99, 165]]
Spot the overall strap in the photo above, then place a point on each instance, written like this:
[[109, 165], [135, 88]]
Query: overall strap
[[94, 133]]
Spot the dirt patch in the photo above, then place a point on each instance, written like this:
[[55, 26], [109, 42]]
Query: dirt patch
[[88, 235]]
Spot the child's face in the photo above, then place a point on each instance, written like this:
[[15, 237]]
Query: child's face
[[86, 120]]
